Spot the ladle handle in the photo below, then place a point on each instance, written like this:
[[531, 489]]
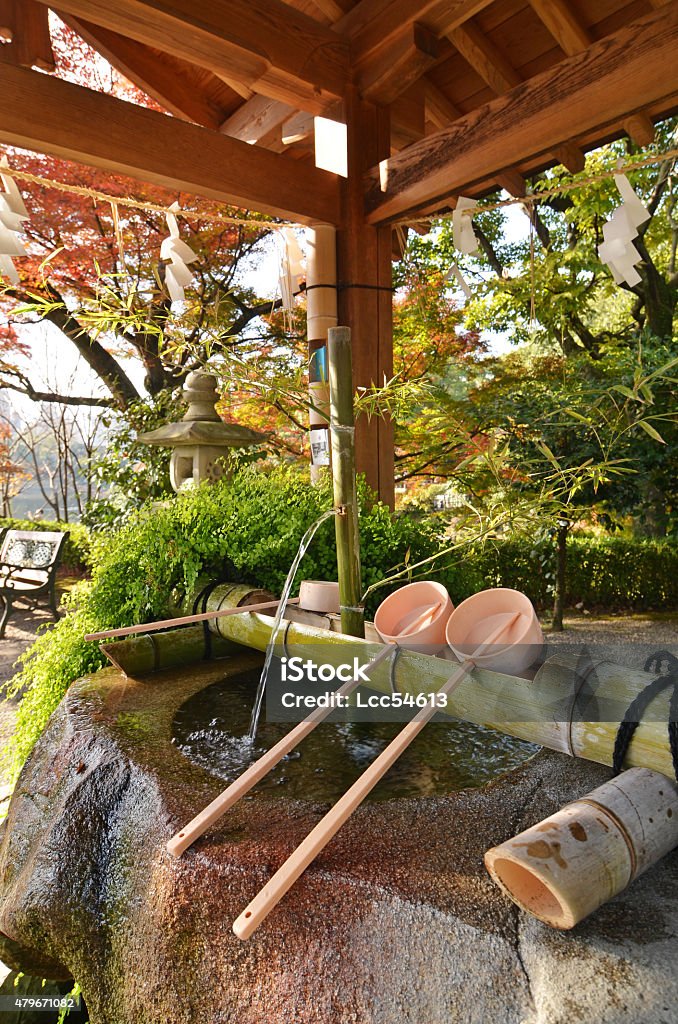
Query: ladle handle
[[154, 627], [295, 865], [249, 778]]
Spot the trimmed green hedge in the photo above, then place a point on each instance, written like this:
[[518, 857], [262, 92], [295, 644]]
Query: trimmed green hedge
[[77, 550], [611, 573]]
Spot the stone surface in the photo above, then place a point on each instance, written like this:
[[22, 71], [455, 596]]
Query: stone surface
[[396, 920]]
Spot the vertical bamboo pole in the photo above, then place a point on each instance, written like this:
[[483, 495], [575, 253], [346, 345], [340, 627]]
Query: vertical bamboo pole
[[342, 435], [321, 314]]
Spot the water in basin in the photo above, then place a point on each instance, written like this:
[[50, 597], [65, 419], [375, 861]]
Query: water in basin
[[211, 730]]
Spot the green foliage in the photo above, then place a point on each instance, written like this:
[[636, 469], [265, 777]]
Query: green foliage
[[76, 553], [131, 473]]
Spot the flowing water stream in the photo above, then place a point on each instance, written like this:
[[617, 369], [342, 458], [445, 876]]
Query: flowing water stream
[[279, 616]]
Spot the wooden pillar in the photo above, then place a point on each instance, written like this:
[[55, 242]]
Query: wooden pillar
[[364, 276], [321, 315]]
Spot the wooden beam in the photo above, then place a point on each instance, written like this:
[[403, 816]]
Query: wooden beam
[[513, 183], [24, 25], [166, 80], [398, 64], [573, 37], [589, 92], [256, 118], [56, 117], [266, 42], [497, 72]]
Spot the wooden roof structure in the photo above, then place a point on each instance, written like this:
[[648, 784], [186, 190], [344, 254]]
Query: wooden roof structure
[[440, 98]]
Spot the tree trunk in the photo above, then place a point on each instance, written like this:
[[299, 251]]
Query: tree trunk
[[561, 575]]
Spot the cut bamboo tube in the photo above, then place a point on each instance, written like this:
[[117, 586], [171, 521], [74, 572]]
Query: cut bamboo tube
[[242, 785], [567, 866], [295, 865], [544, 710], [342, 433], [153, 627]]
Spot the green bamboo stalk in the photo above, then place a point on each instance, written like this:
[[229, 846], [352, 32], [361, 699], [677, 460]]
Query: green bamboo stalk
[[342, 434], [140, 655]]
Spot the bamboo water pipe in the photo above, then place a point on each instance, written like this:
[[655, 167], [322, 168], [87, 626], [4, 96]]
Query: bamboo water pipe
[[342, 434], [295, 865], [567, 866], [549, 710]]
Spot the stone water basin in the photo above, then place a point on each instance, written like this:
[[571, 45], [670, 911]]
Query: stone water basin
[[395, 921]]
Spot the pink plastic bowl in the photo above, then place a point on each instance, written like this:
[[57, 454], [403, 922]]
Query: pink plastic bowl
[[476, 618], [395, 614]]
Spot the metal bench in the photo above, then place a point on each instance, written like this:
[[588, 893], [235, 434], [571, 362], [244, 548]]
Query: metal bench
[[28, 564]]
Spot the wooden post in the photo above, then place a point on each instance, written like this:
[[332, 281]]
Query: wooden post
[[321, 314], [342, 432], [364, 274]]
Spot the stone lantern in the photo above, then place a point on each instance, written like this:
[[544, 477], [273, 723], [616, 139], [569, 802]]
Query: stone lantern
[[202, 439]]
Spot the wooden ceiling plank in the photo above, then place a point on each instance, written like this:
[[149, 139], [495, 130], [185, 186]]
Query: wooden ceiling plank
[[55, 117], [249, 40], [573, 37], [439, 109], [155, 76], [256, 118], [588, 92], [399, 64], [372, 22], [24, 25], [496, 70]]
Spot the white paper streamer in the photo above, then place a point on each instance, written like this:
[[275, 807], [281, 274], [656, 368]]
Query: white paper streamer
[[13, 213], [617, 250], [295, 256], [178, 255], [462, 226], [455, 272]]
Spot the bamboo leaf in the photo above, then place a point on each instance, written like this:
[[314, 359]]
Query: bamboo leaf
[[649, 429]]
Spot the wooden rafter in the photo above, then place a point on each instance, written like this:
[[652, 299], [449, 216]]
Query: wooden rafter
[[588, 92], [165, 79], [256, 118], [262, 43], [573, 37], [123, 138]]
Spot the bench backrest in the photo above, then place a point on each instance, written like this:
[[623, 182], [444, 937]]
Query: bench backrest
[[31, 549]]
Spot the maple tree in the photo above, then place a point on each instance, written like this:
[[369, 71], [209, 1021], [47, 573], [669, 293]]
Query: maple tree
[[94, 272]]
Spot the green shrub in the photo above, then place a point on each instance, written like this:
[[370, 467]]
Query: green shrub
[[76, 554], [611, 573]]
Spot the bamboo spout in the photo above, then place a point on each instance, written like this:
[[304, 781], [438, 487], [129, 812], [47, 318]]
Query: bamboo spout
[[567, 866]]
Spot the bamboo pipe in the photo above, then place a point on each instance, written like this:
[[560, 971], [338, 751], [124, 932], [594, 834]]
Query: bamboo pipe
[[564, 868], [342, 435], [230, 796], [544, 710], [143, 654], [295, 865], [182, 620]]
